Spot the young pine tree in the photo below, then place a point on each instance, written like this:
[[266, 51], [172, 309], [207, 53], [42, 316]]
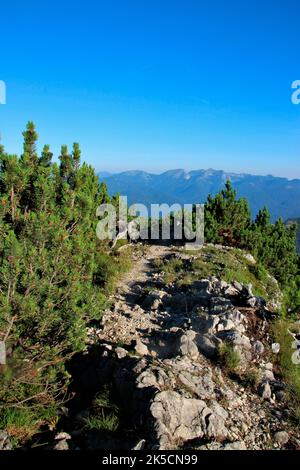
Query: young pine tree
[[50, 259], [226, 217]]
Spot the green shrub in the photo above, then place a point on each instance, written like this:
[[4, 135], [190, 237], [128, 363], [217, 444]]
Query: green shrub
[[251, 379], [228, 221], [227, 264], [171, 268], [55, 275], [101, 421], [229, 358], [103, 414], [259, 272], [20, 423], [289, 371]]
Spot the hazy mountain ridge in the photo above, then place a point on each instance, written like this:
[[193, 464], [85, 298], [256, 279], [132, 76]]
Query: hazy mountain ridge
[[280, 195]]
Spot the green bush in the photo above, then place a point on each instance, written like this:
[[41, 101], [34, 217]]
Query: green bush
[[103, 414], [101, 421], [228, 221], [54, 275], [251, 379], [171, 268], [289, 371], [229, 358]]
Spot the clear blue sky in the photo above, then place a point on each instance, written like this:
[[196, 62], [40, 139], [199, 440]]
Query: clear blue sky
[[156, 84]]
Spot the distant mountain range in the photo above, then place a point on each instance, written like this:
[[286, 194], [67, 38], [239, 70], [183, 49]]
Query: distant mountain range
[[280, 195]]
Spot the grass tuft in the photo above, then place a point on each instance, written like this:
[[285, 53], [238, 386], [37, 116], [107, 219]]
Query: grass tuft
[[229, 358], [290, 372], [104, 414]]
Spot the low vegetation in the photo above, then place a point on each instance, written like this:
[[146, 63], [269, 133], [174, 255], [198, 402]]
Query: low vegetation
[[297, 222], [251, 379], [274, 246], [229, 358], [229, 264], [289, 370], [55, 277], [103, 414], [228, 222]]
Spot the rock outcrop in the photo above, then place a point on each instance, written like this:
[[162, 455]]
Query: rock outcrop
[[167, 375]]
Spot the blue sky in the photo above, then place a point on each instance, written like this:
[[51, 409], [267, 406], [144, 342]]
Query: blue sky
[[156, 84]]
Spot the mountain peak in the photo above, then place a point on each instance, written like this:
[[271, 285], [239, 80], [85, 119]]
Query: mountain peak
[[187, 187]]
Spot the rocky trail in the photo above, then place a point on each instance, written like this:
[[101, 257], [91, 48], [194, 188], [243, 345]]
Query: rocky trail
[[157, 352]]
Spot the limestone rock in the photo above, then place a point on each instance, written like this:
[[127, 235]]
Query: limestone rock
[[252, 301], [121, 352], [239, 287], [62, 445], [4, 441], [219, 305], [155, 377], [258, 348], [238, 445], [140, 445], [187, 345], [235, 338], [208, 345], [268, 376], [2, 353], [169, 388], [181, 419], [280, 395], [276, 348], [201, 386], [281, 438], [141, 348], [62, 435], [249, 258], [264, 391]]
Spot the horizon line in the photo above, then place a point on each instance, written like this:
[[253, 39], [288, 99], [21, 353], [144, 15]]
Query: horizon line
[[188, 172]]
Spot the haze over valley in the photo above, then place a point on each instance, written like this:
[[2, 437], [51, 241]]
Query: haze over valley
[[280, 195]]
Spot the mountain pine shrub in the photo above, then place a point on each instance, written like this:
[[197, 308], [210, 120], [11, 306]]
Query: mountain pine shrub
[[54, 277], [228, 221]]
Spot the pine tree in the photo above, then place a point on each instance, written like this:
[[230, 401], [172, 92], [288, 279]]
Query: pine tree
[[226, 217], [228, 221], [66, 163], [30, 137], [46, 157], [76, 156], [50, 264], [263, 218]]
